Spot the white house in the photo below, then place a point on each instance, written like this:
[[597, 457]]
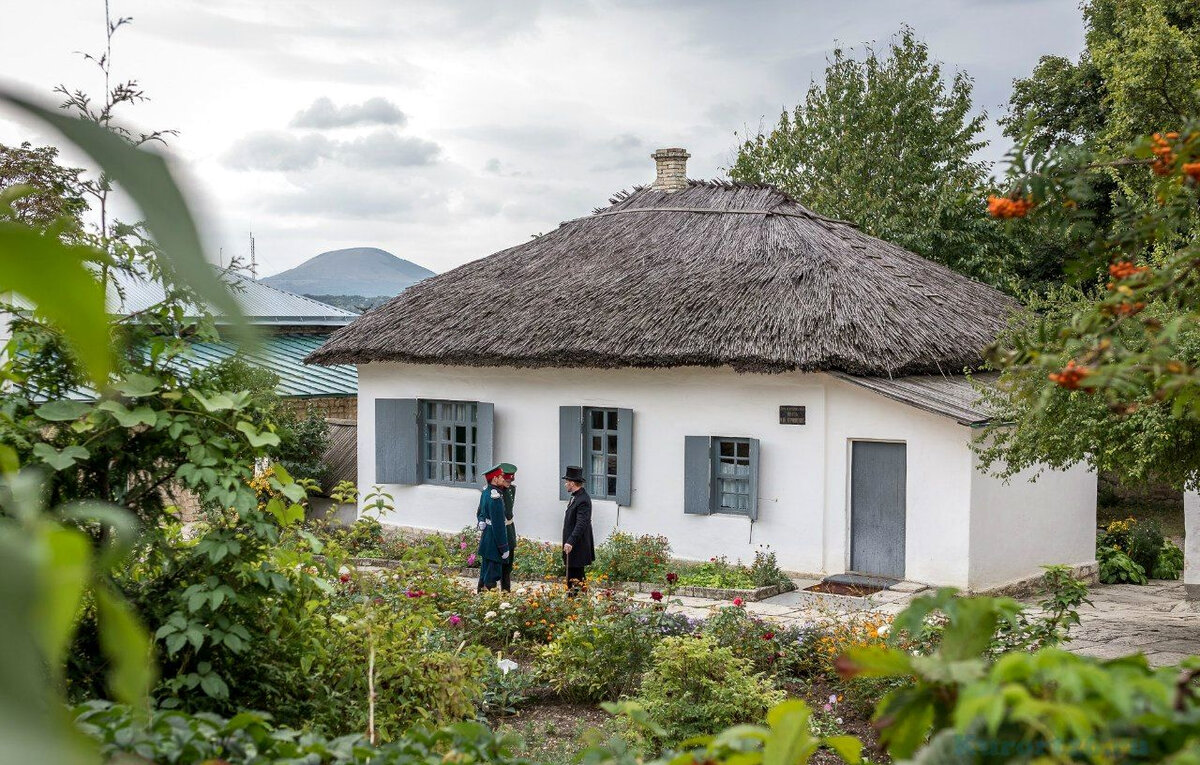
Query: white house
[[732, 370]]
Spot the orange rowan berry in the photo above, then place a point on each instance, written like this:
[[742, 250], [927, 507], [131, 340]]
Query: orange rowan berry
[[1070, 376]]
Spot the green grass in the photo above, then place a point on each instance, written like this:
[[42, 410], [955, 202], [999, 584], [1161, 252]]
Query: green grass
[[1170, 519]]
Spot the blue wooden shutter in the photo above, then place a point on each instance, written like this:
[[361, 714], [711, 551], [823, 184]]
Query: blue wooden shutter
[[697, 475], [753, 509], [624, 457], [570, 442], [485, 439], [397, 441]]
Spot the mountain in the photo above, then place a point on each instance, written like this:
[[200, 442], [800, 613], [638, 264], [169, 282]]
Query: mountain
[[366, 271]]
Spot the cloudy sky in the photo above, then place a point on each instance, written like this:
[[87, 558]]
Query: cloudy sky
[[443, 131]]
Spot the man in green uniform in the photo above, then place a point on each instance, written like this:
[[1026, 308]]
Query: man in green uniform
[[498, 540]]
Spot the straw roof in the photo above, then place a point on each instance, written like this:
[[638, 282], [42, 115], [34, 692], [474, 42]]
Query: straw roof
[[713, 274]]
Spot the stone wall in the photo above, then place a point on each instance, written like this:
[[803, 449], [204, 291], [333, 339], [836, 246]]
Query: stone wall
[[329, 407]]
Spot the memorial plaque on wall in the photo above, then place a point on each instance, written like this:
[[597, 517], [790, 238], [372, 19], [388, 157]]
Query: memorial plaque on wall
[[791, 415]]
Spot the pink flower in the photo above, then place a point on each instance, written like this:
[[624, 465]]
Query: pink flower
[[828, 708], [738, 601], [656, 596], [414, 593], [462, 545], [471, 560], [455, 620]]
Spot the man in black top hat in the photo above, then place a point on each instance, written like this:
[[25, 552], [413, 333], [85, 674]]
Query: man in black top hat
[[578, 547]]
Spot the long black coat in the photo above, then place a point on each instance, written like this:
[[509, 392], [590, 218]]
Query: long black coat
[[577, 530]]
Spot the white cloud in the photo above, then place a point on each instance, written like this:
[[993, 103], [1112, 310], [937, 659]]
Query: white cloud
[[279, 151], [322, 113]]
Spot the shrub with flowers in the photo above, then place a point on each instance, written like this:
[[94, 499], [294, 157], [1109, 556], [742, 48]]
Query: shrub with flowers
[[770, 648], [626, 558]]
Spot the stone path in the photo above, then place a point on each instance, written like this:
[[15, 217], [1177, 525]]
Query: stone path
[[1126, 618]]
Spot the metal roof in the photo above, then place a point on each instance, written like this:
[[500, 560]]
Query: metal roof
[[949, 396], [283, 355], [262, 303]]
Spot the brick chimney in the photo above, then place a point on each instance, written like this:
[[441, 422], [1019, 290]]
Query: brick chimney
[[671, 165]]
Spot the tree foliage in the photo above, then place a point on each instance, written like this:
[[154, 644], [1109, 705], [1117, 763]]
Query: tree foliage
[[48, 193], [888, 142]]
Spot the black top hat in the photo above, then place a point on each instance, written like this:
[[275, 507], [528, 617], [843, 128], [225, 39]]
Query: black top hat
[[574, 473]]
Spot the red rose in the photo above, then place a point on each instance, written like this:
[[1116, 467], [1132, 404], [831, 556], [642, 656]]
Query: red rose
[[738, 601], [656, 596], [344, 578], [768, 636], [672, 578]]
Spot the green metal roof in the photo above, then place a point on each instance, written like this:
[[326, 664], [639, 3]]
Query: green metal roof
[[284, 355]]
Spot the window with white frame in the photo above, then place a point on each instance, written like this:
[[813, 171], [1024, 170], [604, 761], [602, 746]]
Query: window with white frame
[[731, 475], [600, 443], [451, 436], [720, 475]]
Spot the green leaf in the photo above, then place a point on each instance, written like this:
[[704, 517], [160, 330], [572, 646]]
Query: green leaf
[[847, 747], [10, 463], [257, 439], [285, 514], [875, 661], [129, 418], [59, 460], [127, 645], [214, 686], [55, 278], [219, 402], [791, 740], [63, 410], [144, 176], [136, 385], [64, 563]]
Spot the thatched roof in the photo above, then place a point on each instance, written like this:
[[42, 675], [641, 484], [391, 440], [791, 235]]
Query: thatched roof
[[713, 274]]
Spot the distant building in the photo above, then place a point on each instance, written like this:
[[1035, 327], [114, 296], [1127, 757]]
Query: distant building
[[731, 370], [292, 327]]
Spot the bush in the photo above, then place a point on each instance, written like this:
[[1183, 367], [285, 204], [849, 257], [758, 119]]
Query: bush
[[251, 739], [416, 679], [694, 686], [747, 636], [1145, 544], [1118, 568], [1170, 562], [766, 572], [598, 660], [626, 558], [718, 572]]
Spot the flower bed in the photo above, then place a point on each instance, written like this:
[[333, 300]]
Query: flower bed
[[632, 563], [715, 593]]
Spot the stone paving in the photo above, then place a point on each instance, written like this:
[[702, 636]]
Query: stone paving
[[1126, 618]]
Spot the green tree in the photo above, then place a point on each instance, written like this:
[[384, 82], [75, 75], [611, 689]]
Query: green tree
[[51, 193], [888, 142]]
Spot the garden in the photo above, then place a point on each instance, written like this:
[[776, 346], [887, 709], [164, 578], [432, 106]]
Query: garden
[[251, 636]]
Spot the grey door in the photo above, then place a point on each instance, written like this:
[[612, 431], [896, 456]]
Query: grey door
[[877, 478]]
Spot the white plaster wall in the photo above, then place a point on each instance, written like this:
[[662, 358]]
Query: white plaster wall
[[1191, 544], [937, 490], [803, 470], [667, 406], [1018, 526]]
